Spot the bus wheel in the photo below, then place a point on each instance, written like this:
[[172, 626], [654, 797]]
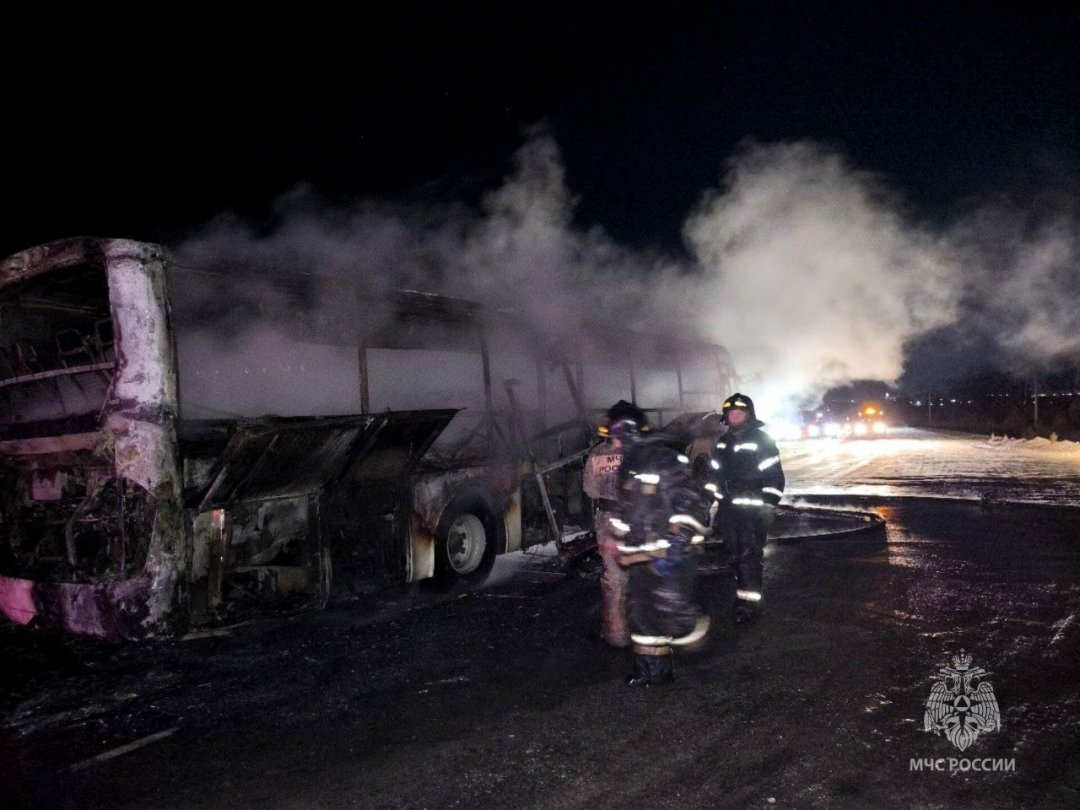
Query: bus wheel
[[465, 546]]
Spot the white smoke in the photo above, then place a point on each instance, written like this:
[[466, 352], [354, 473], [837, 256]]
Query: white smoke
[[810, 271], [517, 251], [1022, 273], [812, 275]]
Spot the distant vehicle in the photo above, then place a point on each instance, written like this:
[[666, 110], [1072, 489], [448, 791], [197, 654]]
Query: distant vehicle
[[815, 423], [867, 422], [819, 424]]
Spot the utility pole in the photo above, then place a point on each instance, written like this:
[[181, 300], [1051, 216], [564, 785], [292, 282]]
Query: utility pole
[[1035, 399]]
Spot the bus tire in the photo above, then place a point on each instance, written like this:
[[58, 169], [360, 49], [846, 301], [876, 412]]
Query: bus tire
[[465, 544]]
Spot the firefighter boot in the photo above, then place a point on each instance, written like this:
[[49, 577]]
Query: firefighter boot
[[745, 612], [662, 672], [651, 670]]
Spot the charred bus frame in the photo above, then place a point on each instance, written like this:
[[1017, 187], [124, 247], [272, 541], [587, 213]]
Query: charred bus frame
[[124, 516]]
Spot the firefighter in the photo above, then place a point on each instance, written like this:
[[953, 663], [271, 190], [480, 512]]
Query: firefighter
[[747, 481], [601, 484], [661, 525]]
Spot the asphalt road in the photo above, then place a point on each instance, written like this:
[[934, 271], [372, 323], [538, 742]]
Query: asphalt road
[[506, 698]]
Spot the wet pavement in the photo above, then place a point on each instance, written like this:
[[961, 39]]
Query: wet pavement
[[506, 697]]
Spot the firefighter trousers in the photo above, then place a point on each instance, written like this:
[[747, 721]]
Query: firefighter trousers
[[744, 529], [613, 585], [662, 608]]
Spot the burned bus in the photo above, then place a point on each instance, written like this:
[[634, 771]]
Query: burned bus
[[160, 472]]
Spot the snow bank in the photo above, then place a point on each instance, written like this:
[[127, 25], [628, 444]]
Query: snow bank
[[1041, 444]]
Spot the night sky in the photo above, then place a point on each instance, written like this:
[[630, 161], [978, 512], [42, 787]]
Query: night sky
[[151, 132]]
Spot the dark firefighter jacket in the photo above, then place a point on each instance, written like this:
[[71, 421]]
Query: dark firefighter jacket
[[656, 491], [745, 468]]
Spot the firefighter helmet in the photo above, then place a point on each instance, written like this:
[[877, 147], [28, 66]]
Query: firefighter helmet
[[624, 418], [738, 402]]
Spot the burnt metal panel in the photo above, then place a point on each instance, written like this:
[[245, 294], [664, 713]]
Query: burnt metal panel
[[112, 610], [290, 457], [366, 529], [46, 258]]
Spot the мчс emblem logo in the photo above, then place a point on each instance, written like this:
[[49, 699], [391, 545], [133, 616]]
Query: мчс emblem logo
[[962, 703]]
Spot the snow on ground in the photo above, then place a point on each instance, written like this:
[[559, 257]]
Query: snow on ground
[[1045, 445], [936, 464]]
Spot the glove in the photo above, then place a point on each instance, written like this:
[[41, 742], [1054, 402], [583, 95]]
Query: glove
[[674, 557]]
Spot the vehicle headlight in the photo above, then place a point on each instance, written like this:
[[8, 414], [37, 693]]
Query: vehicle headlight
[[813, 431], [861, 429]]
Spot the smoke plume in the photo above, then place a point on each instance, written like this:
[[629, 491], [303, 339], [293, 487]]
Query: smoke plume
[[808, 270], [1022, 273]]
